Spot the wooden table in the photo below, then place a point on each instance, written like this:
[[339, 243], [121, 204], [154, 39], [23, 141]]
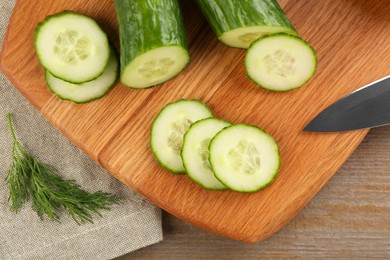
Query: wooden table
[[349, 218]]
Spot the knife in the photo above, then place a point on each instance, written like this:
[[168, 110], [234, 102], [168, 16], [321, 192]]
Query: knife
[[366, 107]]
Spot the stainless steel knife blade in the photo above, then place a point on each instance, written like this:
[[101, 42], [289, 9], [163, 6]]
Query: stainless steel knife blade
[[366, 107]]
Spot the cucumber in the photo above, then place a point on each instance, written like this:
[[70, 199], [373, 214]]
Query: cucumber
[[195, 152], [238, 23], [72, 47], [244, 158], [169, 128], [89, 91], [153, 41], [280, 62]]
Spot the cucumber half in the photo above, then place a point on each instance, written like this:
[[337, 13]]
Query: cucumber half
[[195, 152], [153, 41], [169, 128], [238, 23], [72, 47], [155, 67], [244, 158], [89, 91], [280, 62]]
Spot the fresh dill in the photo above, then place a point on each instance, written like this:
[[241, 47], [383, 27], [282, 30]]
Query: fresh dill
[[29, 179]]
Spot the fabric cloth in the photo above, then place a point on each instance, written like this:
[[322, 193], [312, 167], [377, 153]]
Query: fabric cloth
[[134, 224]]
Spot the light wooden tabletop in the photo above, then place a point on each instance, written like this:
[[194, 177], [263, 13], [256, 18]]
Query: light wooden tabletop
[[349, 218]]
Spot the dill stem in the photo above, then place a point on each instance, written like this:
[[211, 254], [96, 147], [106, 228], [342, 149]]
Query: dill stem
[[11, 128]]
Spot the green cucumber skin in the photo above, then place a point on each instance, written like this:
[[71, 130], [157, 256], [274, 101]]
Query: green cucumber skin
[[262, 186], [146, 25], [54, 16], [227, 15], [92, 99], [285, 35], [154, 151]]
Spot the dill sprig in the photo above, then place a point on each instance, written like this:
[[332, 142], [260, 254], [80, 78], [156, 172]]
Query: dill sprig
[[18, 177], [50, 193]]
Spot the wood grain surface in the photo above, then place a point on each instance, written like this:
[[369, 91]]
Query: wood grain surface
[[348, 219], [351, 38]]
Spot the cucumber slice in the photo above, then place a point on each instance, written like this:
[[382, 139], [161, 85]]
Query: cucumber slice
[[238, 23], [280, 62], [244, 158], [153, 42], [195, 152], [169, 128], [72, 47], [89, 91]]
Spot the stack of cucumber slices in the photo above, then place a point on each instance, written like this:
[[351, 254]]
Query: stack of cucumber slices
[[218, 155], [80, 65]]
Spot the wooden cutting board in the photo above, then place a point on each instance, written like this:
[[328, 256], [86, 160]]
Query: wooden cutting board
[[352, 39]]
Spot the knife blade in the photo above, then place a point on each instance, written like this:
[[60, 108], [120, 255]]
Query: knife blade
[[366, 107]]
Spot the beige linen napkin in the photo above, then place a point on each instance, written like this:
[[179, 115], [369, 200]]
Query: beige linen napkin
[[134, 224]]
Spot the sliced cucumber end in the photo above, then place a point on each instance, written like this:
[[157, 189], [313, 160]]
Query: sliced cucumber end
[[244, 158], [280, 62], [243, 37], [72, 47], [155, 67], [168, 130]]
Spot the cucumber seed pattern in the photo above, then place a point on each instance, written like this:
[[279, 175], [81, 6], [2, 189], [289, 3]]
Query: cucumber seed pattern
[[249, 37], [281, 63], [244, 157], [71, 47], [156, 68], [175, 139], [203, 151]]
